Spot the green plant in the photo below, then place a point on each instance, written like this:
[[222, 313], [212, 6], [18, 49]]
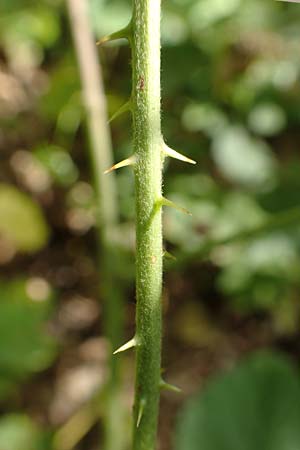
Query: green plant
[[255, 405], [143, 34]]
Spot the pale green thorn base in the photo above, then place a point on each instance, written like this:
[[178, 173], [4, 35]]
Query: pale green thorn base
[[169, 387], [169, 255], [126, 162], [130, 344], [176, 155], [141, 412], [123, 109], [166, 202], [124, 33]]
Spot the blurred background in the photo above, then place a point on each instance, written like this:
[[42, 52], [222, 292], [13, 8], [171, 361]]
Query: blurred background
[[231, 101]]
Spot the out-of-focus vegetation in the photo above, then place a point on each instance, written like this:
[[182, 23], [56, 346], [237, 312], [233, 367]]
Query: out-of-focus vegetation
[[231, 101], [255, 406]]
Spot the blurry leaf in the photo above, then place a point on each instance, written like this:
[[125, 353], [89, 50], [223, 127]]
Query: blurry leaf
[[238, 211], [109, 16], [18, 431], [174, 28], [255, 406], [185, 66], [199, 185], [22, 220], [243, 159], [189, 231], [205, 117], [70, 115], [207, 12], [59, 164], [25, 345], [37, 24], [64, 83], [273, 253], [13, 4], [286, 195], [257, 275], [267, 119]]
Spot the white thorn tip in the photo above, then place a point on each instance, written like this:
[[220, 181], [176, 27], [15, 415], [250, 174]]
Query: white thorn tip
[[176, 155], [126, 162], [127, 346]]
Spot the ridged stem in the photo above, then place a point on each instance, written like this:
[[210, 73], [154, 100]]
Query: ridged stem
[[145, 42]]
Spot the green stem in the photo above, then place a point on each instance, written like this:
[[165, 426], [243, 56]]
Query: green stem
[[107, 210], [148, 182]]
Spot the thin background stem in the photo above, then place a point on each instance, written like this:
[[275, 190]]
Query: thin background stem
[[107, 208]]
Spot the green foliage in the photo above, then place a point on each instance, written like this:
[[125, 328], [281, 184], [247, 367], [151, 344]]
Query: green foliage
[[256, 405], [230, 98], [19, 431], [58, 163], [22, 220], [26, 347], [61, 103], [244, 160]]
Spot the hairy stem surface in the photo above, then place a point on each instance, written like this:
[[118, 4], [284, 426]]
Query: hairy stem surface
[[148, 182]]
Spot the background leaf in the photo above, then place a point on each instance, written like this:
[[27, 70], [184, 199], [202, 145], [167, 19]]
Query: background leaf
[[22, 220], [255, 406]]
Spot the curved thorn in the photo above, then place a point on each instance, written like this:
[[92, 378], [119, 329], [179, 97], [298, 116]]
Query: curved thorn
[[141, 412], [176, 155], [127, 346], [168, 387], [169, 255], [124, 33], [126, 162], [166, 202], [124, 108]]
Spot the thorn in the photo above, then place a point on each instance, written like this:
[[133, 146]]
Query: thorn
[[124, 108], [124, 33], [127, 346], [126, 162], [169, 387], [169, 255], [141, 412], [166, 202], [176, 155]]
